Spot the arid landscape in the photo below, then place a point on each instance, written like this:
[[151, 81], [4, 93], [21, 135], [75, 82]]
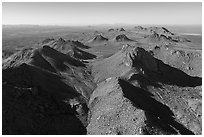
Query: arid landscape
[[139, 80], [105, 79]]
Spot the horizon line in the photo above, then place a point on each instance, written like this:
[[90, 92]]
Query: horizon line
[[61, 25]]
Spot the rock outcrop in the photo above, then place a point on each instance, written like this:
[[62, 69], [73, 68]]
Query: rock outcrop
[[132, 96], [152, 30], [45, 92], [122, 29], [122, 38], [71, 47], [123, 61], [119, 108], [99, 38], [156, 38]]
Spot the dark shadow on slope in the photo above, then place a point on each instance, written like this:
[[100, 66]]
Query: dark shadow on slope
[[99, 38], [80, 54], [122, 38], [167, 75], [39, 61], [48, 84], [33, 76], [80, 45], [29, 76], [154, 110], [174, 76], [45, 41], [144, 82], [59, 59], [54, 120]]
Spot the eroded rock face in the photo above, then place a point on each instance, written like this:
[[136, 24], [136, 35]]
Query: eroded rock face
[[122, 29], [33, 111], [99, 38], [45, 92], [159, 38], [111, 113], [140, 57], [129, 58], [152, 30], [184, 60], [47, 40], [121, 38], [152, 91], [119, 108], [71, 47]]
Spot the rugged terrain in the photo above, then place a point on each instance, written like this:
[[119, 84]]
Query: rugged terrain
[[120, 81]]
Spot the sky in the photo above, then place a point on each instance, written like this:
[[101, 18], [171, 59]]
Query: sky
[[101, 13]]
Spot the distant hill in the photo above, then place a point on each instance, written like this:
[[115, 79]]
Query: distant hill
[[73, 48], [122, 38], [99, 38]]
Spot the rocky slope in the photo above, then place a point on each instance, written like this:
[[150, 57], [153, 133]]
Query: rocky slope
[[186, 60], [45, 92], [60, 87], [139, 94], [122, 38], [71, 47], [99, 38], [160, 34], [158, 30]]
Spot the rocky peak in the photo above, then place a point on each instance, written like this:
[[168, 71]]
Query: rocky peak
[[100, 38], [139, 28], [139, 58], [61, 40], [122, 29], [47, 40], [122, 37]]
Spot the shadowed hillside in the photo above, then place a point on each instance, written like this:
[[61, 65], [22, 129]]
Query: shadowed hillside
[[102, 81]]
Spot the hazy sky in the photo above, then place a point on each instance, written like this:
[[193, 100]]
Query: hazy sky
[[102, 13]]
